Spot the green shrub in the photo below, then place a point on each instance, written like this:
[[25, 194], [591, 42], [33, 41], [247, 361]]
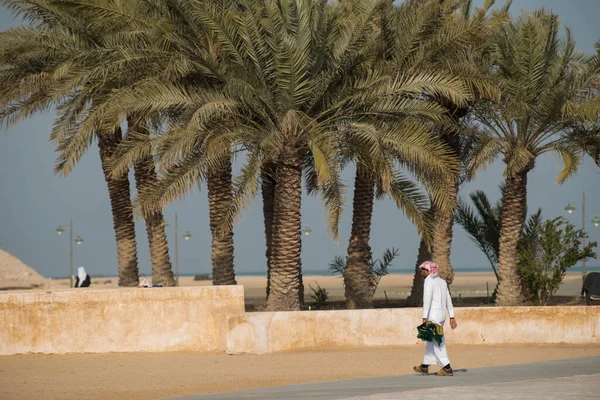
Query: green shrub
[[319, 295], [545, 258]]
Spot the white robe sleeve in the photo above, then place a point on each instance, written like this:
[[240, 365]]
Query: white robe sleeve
[[427, 297], [449, 305]]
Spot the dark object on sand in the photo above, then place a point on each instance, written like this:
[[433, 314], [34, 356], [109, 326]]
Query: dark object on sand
[[202, 277], [591, 287]]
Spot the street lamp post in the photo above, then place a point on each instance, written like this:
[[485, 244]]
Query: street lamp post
[[176, 253], [77, 240], [596, 221], [186, 236]]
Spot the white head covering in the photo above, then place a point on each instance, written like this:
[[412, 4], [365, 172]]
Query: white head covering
[[81, 274]]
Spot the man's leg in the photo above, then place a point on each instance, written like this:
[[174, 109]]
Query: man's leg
[[430, 357], [423, 369], [441, 355]]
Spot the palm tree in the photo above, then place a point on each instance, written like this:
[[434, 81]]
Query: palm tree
[[403, 35], [545, 84], [451, 38], [374, 137], [146, 177], [136, 36], [483, 225], [188, 58], [463, 146], [36, 75], [291, 93]]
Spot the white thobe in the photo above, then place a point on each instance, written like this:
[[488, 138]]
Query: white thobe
[[436, 300]]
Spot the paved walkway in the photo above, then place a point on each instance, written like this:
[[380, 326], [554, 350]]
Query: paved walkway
[[573, 378]]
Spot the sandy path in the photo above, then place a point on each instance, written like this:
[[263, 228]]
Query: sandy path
[[140, 376]]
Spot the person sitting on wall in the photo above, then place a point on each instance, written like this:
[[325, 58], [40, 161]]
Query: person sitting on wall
[[82, 279]]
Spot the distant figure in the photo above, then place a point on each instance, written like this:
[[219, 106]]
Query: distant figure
[[591, 287], [82, 279], [436, 300]]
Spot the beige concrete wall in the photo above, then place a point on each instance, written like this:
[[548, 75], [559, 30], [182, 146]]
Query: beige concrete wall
[[278, 331], [117, 320], [207, 319]]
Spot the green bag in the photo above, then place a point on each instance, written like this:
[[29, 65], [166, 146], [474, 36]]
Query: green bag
[[429, 331]]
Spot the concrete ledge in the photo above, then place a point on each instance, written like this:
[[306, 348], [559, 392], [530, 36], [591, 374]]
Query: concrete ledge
[[117, 320], [268, 332], [212, 319]]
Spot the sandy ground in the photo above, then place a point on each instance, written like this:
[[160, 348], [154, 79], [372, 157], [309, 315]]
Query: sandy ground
[[396, 286], [140, 376]]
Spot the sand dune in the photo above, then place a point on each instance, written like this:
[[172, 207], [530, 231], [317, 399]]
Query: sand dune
[[15, 274]]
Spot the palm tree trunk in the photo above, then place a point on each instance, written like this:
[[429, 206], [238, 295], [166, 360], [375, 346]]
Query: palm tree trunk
[[444, 219], [442, 236], [441, 246], [220, 202], [162, 271], [286, 278], [514, 207], [357, 274], [268, 197], [145, 178], [416, 294], [122, 211]]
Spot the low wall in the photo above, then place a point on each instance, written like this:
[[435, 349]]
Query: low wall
[[120, 320], [280, 331], [212, 318]]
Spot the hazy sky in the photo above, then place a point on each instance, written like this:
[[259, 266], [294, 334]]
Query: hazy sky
[[34, 202]]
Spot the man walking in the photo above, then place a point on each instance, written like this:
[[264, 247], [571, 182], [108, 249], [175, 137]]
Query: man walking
[[436, 300]]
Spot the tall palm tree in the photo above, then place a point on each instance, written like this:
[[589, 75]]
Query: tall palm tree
[[146, 177], [100, 70], [463, 145], [428, 155], [297, 83], [186, 57], [545, 84], [137, 30], [403, 35], [35, 76], [450, 36]]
